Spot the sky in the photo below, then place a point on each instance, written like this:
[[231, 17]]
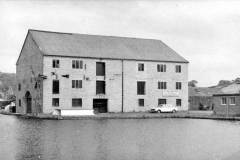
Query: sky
[[206, 32]]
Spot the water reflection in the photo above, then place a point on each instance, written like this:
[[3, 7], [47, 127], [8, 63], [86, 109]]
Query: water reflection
[[123, 139]]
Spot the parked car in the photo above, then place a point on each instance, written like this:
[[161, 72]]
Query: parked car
[[164, 108]]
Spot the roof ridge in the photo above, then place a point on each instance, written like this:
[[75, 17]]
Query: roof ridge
[[113, 36]]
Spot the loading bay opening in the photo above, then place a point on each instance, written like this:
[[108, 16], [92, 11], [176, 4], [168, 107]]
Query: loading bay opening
[[100, 105]]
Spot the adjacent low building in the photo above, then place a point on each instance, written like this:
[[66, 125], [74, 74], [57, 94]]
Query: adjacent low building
[[69, 71], [227, 100], [201, 98]]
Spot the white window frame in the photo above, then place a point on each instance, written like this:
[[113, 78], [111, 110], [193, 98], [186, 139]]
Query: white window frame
[[178, 68], [75, 62], [162, 85], [161, 68], [222, 101], [178, 85], [75, 82], [143, 67], [230, 101]]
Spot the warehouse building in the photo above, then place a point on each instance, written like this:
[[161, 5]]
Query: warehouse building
[[69, 71]]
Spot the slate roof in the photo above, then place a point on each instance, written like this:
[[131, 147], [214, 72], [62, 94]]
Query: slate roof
[[96, 46], [202, 91]]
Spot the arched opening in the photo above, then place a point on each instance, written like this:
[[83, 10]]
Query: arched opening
[[28, 98]]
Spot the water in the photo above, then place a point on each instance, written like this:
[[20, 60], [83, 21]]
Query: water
[[121, 139]]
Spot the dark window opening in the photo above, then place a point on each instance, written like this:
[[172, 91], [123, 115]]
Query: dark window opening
[[178, 69], [55, 63], [162, 85], [77, 102], [141, 102], [178, 85], [55, 87], [77, 64], [140, 67], [76, 83], [55, 102], [19, 87], [100, 68], [162, 101], [100, 87], [19, 103], [161, 67], [140, 88], [178, 102]]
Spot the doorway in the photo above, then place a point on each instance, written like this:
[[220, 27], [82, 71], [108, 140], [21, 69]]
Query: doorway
[[100, 105], [28, 98]]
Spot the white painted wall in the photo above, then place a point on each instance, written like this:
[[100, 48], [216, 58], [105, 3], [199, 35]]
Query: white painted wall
[[113, 84]]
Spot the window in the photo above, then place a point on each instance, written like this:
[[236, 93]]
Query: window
[[76, 83], [19, 87], [162, 101], [140, 88], [178, 102], [141, 102], [178, 69], [55, 63], [19, 103], [77, 64], [162, 85], [55, 87], [140, 67], [232, 101], [224, 100], [77, 102], [178, 85], [100, 69], [100, 87], [55, 102], [161, 67]]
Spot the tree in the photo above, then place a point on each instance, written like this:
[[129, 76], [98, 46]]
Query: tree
[[192, 83], [224, 82]]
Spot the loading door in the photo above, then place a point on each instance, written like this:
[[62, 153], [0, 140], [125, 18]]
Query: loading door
[[100, 105]]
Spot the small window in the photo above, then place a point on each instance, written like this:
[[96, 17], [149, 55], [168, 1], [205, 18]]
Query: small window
[[232, 101], [77, 102], [55, 87], [100, 68], [77, 64], [19, 87], [55, 102], [161, 67], [178, 69], [55, 63], [140, 67], [178, 102], [100, 87], [224, 101], [162, 101], [162, 85], [141, 102], [76, 83], [141, 88], [19, 103], [178, 85]]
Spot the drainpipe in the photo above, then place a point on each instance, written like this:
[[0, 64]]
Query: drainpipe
[[227, 106], [122, 86]]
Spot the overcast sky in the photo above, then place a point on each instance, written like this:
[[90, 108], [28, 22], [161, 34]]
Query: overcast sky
[[206, 33]]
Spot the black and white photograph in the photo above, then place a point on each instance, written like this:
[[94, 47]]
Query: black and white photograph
[[119, 80]]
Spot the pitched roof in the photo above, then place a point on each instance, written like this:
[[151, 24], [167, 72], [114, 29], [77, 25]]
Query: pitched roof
[[202, 91], [96, 46], [233, 88]]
